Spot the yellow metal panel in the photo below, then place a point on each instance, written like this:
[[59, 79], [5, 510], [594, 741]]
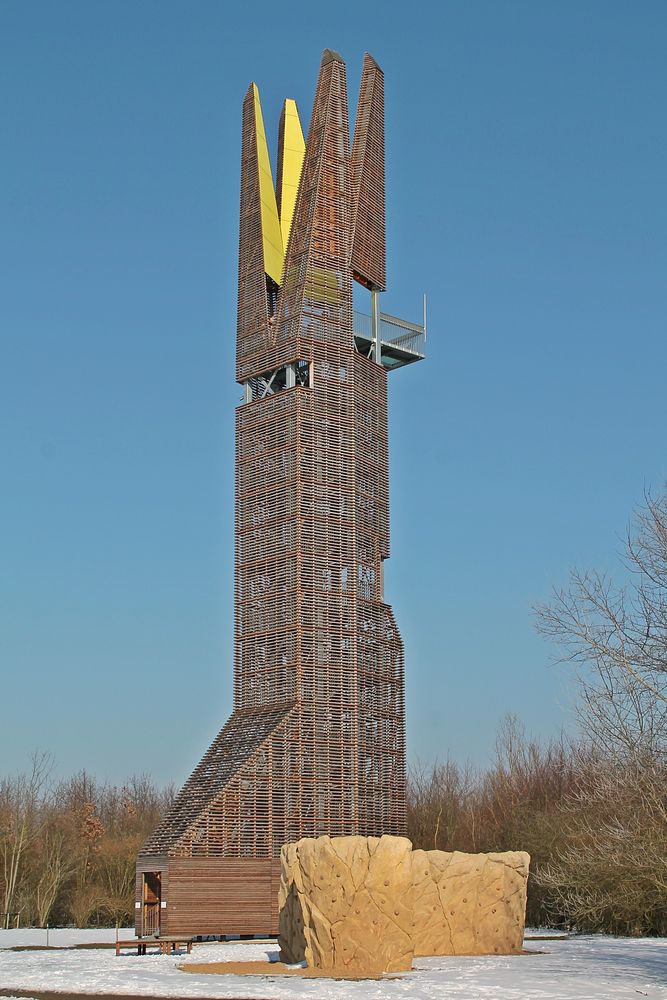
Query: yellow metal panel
[[291, 155], [271, 232]]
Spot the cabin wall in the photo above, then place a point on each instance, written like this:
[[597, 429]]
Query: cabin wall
[[223, 896]]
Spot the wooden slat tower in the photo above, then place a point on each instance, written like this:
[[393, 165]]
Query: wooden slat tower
[[316, 741]]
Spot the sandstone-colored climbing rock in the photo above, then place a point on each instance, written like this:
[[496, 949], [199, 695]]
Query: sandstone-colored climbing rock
[[469, 904], [345, 904], [361, 906]]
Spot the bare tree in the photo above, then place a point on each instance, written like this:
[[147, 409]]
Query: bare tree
[[19, 824], [56, 865], [618, 637], [116, 871], [609, 866]]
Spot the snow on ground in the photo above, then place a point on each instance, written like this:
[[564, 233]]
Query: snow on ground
[[61, 937], [531, 933], [579, 968]]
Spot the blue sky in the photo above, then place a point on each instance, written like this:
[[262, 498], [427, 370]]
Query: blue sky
[[526, 194]]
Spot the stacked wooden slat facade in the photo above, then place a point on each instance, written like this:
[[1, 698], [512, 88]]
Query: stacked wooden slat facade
[[316, 742]]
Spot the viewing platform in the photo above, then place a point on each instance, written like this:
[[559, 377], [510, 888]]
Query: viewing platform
[[401, 343]]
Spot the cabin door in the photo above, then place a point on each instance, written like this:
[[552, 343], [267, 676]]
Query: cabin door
[[151, 905]]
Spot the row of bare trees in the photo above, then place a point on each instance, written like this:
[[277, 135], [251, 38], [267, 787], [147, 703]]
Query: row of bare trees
[[68, 848], [595, 826]]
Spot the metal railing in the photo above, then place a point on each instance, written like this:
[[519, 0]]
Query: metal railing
[[394, 332]]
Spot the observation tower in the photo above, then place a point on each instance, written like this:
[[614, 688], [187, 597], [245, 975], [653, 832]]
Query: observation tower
[[316, 741]]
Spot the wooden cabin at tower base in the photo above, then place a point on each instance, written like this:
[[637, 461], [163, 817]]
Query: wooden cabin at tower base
[[201, 896]]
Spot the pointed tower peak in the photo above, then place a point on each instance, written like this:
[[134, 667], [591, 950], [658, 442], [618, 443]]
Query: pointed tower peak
[[370, 61], [329, 55], [291, 152], [368, 209], [260, 168]]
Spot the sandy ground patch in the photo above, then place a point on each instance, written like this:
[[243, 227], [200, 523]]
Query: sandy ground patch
[[264, 969]]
